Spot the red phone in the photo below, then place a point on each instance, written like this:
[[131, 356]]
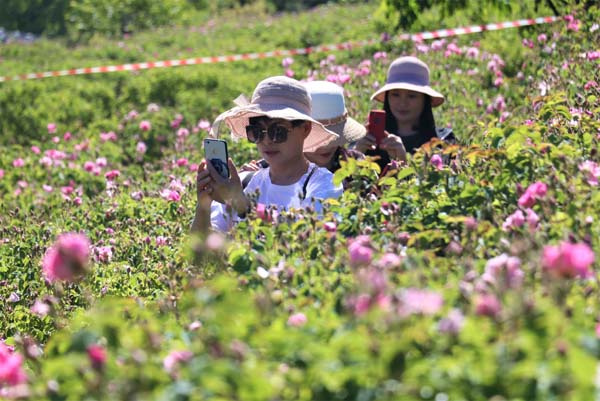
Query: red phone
[[377, 125]]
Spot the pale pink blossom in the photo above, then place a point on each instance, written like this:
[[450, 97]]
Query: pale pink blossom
[[67, 259], [419, 301], [286, 62], [161, 240], [297, 320], [503, 270], [215, 241], [112, 174], [88, 166], [591, 170], [568, 260], [141, 148], [515, 220], [175, 358], [534, 192], [18, 162], [532, 219], [204, 125], [35, 150], [389, 260], [472, 52], [108, 136], [360, 254], [183, 133], [103, 254], [170, 195], [598, 330], [487, 305], [380, 56], [51, 128], [101, 162], [1, 173], [145, 125], [542, 38], [40, 308], [181, 162], [452, 323], [330, 226], [153, 108], [437, 162]]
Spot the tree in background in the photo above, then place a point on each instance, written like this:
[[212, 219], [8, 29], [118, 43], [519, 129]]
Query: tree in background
[[395, 15]]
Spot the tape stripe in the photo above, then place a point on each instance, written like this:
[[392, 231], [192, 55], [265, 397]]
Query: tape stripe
[[440, 33]]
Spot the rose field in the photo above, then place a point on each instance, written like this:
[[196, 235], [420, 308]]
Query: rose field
[[469, 273]]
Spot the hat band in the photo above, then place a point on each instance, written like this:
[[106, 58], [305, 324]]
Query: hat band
[[336, 120], [415, 79]]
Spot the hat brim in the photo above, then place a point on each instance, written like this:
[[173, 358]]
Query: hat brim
[[349, 131], [237, 119], [436, 97]]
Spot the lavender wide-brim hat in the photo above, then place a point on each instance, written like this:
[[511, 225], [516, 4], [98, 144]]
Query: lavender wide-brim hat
[[329, 108], [412, 74], [276, 97]]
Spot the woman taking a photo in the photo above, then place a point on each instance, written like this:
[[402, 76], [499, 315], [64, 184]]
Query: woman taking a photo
[[408, 101]]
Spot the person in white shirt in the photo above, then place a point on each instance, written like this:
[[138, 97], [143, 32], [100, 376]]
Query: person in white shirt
[[278, 121]]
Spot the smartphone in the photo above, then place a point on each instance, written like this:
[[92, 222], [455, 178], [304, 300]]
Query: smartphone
[[215, 151], [377, 125]]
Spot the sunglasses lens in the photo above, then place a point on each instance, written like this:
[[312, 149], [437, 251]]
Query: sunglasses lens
[[254, 133], [278, 133]]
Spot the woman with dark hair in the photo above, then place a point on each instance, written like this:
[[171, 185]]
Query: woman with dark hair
[[408, 101]]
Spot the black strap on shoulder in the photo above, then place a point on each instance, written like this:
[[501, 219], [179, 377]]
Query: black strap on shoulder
[[305, 185], [247, 179]]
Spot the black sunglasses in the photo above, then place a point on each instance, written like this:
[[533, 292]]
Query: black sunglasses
[[277, 133]]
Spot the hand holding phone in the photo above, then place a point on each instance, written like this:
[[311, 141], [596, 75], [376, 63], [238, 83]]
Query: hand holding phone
[[215, 152], [377, 125]]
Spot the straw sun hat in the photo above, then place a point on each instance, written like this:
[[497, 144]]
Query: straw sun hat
[[329, 108], [276, 97], [412, 74]]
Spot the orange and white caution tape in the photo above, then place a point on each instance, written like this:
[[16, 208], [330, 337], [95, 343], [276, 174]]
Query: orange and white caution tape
[[441, 33]]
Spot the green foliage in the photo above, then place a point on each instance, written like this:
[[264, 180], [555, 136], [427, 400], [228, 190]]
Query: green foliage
[[115, 17]]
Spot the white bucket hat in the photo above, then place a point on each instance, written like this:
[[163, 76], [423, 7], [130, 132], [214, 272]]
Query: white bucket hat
[[412, 74], [276, 97], [329, 108]]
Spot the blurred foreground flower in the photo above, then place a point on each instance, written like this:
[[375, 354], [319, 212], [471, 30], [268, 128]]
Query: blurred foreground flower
[[297, 320], [174, 358], [11, 367], [97, 355], [67, 259], [568, 260]]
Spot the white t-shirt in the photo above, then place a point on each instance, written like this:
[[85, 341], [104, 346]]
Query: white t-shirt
[[320, 186]]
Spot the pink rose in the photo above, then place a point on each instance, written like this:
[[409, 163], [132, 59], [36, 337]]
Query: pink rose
[[568, 260], [297, 320], [11, 367], [175, 358], [145, 125], [67, 259], [436, 161], [487, 305], [97, 356]]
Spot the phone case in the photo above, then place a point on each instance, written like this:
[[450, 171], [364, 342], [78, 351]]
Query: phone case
[[377, 124], [215, 151]]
